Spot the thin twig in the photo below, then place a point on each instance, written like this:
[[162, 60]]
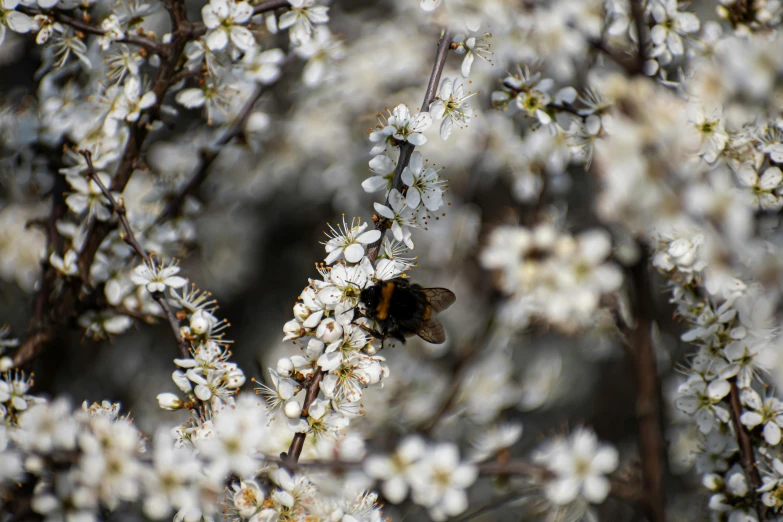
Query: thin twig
[[297, 444], [628, 492], [130, 238], [208, 156], [747, 456], [406, 149], [84, 27]]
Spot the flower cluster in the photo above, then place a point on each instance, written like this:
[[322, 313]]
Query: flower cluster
[[552, 276], [434, 474]]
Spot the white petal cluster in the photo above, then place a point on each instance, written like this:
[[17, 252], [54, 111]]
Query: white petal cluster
[[551, 275], [580, 465], [434, 475], [338, 344], [451, 106], [400, 126]]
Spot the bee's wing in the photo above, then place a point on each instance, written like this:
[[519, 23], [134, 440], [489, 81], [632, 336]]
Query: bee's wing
[[439, 298], [431, 331]]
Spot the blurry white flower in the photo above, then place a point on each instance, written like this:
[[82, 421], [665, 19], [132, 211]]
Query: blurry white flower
[[322, 53], [580, 465], [66, 265], [711, 130], [131, 102], [168, 483], [46, 427], [263, 66], [765, 190], [494, 440], [439, 481], [302, 18], [89, 196], [112, 31], [396, 470], [430, 5], [671, 25]]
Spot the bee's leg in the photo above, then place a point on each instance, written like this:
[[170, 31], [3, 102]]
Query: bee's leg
[[374, 333]]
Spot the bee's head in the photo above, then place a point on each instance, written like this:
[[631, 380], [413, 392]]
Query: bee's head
[[370, 296]]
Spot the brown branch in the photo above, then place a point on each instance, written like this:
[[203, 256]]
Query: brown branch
[[130, 238], [649, 414], [406, 149], [747, 456], [41, 331], [31, 347], [208, 156], [297, 444], [181, 32], [637, 12], [84, 27]]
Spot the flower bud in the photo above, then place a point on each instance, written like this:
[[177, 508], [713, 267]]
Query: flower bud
[[199, 323], [713, 482], [293, 330], [329, 331], [292, 409], [301, 312], [169, 401], [285, 367], [6, 363], [370, 349], [235, 378]]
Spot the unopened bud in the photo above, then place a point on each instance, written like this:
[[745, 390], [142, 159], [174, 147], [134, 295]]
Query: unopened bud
[[293, 329], [292, 409], [301, 312], [169, 401], [329, 331], [285, 367]]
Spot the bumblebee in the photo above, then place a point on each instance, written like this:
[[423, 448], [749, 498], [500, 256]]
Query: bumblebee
[[403, 309]]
